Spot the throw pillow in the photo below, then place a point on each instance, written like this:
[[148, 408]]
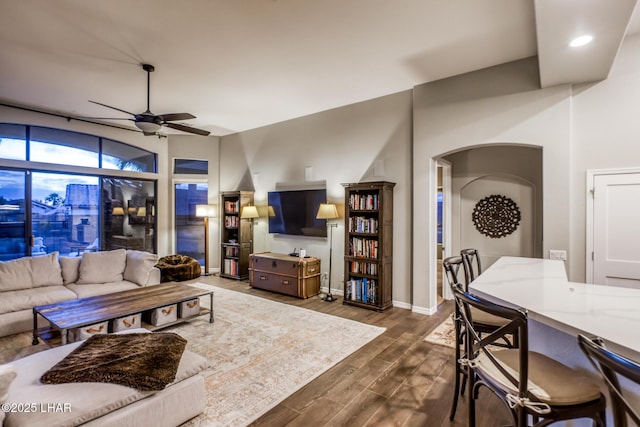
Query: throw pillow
[[45, 271], [139, 265], [102, 267], [15, 274], [70, 269]]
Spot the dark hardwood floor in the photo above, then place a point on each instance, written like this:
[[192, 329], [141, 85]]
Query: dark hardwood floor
[[395, 380]]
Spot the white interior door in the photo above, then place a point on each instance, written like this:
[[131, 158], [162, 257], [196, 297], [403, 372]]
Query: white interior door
[[616, 229]]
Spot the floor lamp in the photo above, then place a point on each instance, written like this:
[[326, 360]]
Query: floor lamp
[[250, 212], [206, 212], [328, 211]]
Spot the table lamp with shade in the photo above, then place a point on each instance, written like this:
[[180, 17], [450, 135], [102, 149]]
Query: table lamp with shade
[[206, 212], [328, 211]]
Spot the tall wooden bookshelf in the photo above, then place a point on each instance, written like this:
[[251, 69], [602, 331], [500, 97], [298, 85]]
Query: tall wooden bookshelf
[[368, 245], [236, 235]]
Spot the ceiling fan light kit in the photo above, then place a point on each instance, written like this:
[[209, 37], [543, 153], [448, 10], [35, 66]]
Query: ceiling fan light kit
[[150, 123], [148, 127]]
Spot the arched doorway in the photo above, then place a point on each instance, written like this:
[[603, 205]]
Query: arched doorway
[[513, 175]]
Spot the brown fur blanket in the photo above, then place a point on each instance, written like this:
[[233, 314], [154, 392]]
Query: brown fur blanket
[[144, 361]]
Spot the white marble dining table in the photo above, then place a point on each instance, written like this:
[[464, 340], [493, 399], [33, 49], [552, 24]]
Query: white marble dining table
[[558, 310], [541, 287]]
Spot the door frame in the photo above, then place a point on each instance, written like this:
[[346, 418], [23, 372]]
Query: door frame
[[590, 183], [446, 220]]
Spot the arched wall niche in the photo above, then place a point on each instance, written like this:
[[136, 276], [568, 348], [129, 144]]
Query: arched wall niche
[[479, 171]]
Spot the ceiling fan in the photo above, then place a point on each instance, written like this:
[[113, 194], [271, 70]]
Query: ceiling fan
[[150, 123]]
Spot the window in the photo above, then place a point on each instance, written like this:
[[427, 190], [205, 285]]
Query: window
[[13, 234], [63, 147], [42, 211], [64, 212], [190, 167], [116, 155], [128, 209], [189, 228], [13, 141]]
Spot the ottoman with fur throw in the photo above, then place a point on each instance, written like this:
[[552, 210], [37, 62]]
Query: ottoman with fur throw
[[164, 397], [176, 268]]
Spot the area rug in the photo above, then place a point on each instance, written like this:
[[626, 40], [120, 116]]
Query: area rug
[[443, 334], [259, 351], [262, 351]]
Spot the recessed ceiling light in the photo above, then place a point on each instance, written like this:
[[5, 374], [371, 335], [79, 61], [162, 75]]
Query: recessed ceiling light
[[581, 41]]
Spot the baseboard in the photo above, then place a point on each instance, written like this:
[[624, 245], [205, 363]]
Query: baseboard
[[333, 291], [424, 310], [401, 304]]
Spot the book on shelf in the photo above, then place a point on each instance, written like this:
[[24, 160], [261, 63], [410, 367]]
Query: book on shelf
[[364, 202], [363, 290], [364, 268], [231, 267], [231, 221], [232, 206], [363, 247], [360, 224], [232, 251]]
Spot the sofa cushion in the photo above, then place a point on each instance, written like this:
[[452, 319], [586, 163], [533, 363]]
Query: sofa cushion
[[93, 289], [102, 267], [15, 274], [45, 271], [7, 375], [26, 299], [70, 267], [139, 265]]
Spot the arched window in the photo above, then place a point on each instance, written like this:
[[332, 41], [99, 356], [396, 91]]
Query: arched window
[[76, 205]]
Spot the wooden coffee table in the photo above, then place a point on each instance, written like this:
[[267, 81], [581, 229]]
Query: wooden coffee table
[[87, 311]]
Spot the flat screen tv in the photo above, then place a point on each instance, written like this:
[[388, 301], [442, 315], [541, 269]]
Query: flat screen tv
[[294, 212]]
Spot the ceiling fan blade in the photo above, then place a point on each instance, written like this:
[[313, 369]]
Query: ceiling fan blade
[[149, 133], [185, 128], [113, 108], [176, 116]]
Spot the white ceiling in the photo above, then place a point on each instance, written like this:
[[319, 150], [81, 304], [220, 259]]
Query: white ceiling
[[242, 64]]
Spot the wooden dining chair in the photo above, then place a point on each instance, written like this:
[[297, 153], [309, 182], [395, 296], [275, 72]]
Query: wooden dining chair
[[610, 365], [484, 323], [528, 383], [452, 266], [471, 264]]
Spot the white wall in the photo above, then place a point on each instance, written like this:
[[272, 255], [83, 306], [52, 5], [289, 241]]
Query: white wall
[[590, 126], [605, 134], [497, 105], [341, 146]]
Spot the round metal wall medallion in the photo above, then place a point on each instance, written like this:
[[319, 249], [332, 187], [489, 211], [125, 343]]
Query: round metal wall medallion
[[496, 216]]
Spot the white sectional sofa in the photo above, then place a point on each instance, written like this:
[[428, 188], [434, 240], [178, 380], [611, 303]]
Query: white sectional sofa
[[31, 281]]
